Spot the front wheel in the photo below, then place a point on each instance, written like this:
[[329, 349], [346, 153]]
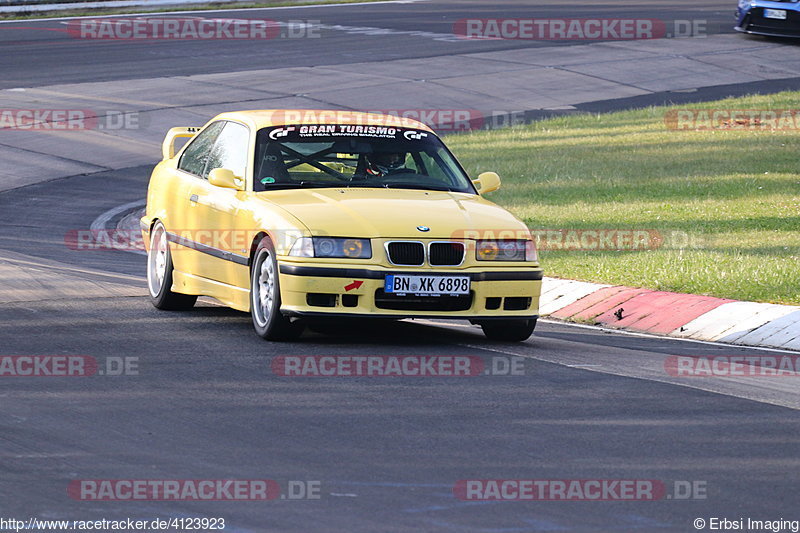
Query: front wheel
[[265, 297], [159, 274], [509, 330]]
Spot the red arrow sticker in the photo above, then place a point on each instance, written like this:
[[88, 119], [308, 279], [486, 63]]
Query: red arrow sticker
[[353, 286]]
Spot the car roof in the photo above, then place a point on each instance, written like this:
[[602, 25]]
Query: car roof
[[265, 118]]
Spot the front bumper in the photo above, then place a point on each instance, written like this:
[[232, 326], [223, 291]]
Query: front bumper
[[322, 290], [755, 23]]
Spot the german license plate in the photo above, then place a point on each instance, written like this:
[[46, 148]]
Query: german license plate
[[779, 14], [402, 285]]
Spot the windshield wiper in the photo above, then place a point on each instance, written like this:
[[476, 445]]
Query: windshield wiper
[[315, 185], [361, 184], [302, 185], [417, 186]]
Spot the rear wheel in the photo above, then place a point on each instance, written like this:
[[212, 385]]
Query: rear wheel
[[159, 274], [508, 330], [265, 297]]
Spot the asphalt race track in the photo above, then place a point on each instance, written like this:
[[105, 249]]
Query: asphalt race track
[[59, 58], [201, 399]]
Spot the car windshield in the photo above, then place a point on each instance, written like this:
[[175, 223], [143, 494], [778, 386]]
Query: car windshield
[[338, 155]]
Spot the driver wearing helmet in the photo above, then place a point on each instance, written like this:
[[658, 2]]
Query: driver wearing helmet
[[382, 164]]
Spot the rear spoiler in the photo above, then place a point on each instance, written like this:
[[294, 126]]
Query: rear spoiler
[[168, 146]]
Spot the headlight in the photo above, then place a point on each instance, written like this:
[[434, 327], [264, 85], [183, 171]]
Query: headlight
[[332, 247], [302, 247], [531, 254], [505, 250]]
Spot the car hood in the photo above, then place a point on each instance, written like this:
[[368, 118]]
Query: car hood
[[396, 213]]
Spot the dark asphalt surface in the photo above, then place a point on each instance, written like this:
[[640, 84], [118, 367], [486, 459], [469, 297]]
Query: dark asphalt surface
[[386, 452], [59, 58]]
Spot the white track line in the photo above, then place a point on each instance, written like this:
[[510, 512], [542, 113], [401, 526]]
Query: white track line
[[624, 332], [99, 224], [667, 337], [159, 13]]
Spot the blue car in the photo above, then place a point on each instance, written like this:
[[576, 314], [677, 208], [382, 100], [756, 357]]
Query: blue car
[[780, 18]]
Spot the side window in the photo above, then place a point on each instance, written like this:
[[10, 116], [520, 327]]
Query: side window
[[230, 150], [195, 156], [434, 169]]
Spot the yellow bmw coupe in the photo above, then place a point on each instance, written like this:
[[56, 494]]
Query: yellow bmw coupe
[[297, 214]]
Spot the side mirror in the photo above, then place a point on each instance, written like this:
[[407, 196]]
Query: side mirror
[[222, 177], [487, 182]]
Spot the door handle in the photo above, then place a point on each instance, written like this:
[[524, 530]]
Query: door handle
[[193, 198]]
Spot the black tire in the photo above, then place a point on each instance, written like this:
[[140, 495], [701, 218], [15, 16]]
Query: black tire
[[265, 297], [159, 274], [509, 330]]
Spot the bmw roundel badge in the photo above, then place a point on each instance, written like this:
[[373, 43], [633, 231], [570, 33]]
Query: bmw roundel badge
[[423, 228]]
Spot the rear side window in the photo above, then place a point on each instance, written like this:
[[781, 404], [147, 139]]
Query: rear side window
[[194, 158], [230, 150]]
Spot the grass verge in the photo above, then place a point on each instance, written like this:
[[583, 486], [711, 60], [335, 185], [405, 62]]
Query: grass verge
[[726, 201]]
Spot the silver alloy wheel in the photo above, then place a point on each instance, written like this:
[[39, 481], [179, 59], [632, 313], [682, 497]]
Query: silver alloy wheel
[[157, 260], [263, 288]]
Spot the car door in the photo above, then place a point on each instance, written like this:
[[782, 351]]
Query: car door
[[214, 210], [181, 211]]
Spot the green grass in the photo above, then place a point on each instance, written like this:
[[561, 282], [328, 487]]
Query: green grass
[[200, 6], [734, 193]]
